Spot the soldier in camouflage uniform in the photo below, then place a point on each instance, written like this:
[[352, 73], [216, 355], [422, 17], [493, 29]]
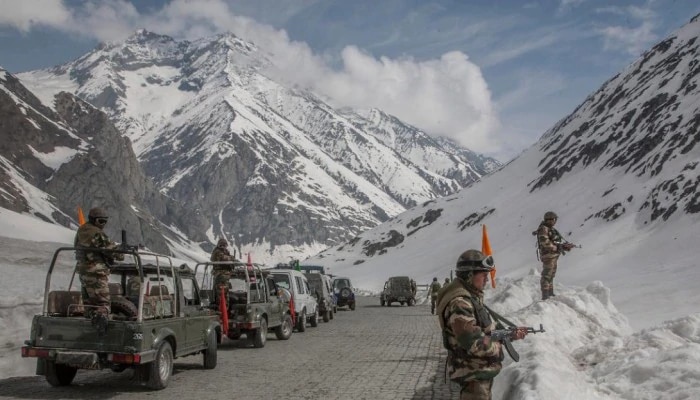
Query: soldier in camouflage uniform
[[550, 246], [473, 358], [221, 273], [93, 266], [433, 294]]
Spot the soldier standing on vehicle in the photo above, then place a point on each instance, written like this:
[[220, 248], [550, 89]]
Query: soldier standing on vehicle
[[550, 245], [93, 266], [447, 282], [433, 294], [221, 273], [473, 358]]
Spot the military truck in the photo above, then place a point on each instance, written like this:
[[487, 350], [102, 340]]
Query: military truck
[[398, 289], [157, 316], [252, 302]]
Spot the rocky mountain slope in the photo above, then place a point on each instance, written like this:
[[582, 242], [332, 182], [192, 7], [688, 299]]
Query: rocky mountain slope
[[275, 169]]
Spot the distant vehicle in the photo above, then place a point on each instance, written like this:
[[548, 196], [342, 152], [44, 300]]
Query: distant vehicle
[[305, 305], [342, 287], [399, 289], [322, 292], [334, 298], [253, 306], [313, 268], [157, 316]]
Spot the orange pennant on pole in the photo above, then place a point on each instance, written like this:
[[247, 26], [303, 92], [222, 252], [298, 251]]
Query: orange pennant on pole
[[81, 217], [486, 249]]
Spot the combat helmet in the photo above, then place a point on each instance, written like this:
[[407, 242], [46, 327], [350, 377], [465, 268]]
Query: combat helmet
[[550, 215], [97, 212], [474, 261], [435, 279], [222, 243]]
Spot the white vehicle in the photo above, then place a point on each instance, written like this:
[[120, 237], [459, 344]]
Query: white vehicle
[[305, 305]]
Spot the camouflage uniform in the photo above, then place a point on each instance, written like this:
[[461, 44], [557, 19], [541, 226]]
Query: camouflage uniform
[[93, 266], [433, 293], [221, 273], [547, 239], [473, 359]]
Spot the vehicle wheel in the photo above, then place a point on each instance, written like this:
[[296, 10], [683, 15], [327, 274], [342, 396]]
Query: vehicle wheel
[[411, 302], [332, 314], [402, 302], [326, 316], [210, 353], [123, 307], [352, 306], [284, 331], [388, 304], [59, 374], [314, 319], [335, 309], [382, 302], [161, 368], [301, 323], [260, 336]]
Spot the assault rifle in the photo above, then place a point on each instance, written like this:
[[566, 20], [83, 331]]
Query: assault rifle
[[127, 247], [504, 336], [564, 245]]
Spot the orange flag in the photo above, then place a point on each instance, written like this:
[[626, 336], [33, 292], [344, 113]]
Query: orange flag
[[81, 217], [486, 249]]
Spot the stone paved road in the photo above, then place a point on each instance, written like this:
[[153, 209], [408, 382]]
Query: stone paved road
[[371, 353]]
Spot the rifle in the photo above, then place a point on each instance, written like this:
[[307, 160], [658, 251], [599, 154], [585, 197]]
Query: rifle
[[127, 247], [564, 245], [504, 335]]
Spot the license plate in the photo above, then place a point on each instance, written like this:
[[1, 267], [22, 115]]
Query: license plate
[[77, 358]]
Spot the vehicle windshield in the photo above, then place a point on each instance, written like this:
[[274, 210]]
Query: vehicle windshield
[[282, 280], [342, 283]]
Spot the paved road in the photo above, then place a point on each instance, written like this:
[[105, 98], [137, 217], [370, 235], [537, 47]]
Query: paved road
[[371, 353]]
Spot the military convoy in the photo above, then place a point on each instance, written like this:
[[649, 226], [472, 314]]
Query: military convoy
[[157, 316], [160, 312]]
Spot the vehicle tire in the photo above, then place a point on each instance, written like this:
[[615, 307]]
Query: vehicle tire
[[59, 374], [314, 319], [388, 304], [122, 306], [411, 302], [352, 306], [326, 316], [301, 322], [382, 302], [260, 336], [332, 314], [284, 331], [209, 355], [161, 368]]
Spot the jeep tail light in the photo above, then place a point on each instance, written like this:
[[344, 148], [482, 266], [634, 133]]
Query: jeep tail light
[[34, 352], [123, 358]]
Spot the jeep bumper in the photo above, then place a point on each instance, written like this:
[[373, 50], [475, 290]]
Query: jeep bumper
[[88, 359]]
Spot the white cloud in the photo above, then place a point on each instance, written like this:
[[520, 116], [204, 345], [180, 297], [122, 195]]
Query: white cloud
[[26, 14], [446, 96], [631, 39]]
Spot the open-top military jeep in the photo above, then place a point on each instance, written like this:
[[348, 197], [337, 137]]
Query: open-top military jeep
[[398, 289], [252, 304], [156, 316]]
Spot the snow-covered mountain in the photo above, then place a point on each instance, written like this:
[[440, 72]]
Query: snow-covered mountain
[[623, 174], [275, 169]]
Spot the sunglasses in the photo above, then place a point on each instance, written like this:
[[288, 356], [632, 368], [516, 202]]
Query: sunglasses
[[486, 263], [101, 221]]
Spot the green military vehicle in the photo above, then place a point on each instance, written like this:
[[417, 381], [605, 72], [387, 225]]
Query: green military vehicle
[[156, 316], [398, 289], [254, 303]]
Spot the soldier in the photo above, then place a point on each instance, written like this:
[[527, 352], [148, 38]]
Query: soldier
[[433, 294], [447, 282], [473, 358], [93, 266], [550, 246], [414, 287], [221, 273]]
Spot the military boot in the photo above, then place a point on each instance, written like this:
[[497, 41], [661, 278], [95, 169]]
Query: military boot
[[551, 292], [545, 294]]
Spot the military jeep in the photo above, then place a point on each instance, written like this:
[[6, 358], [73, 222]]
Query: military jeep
[[398, 289], [250, 305], [156, 316]]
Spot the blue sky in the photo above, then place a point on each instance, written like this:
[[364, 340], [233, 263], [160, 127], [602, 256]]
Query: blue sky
[[513, 68]]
